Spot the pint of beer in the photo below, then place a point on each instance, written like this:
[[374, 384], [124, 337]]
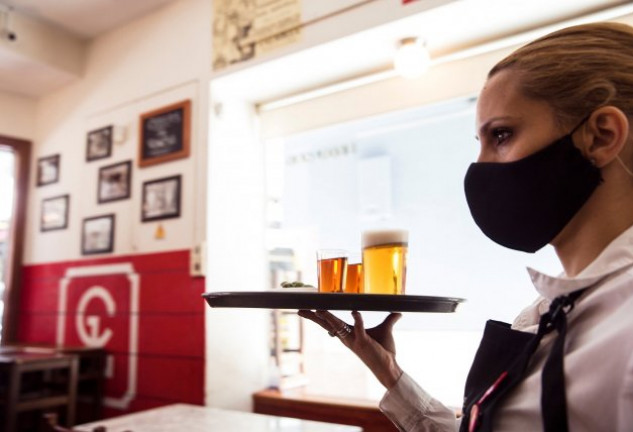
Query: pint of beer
[[385, 261], [332, 270]]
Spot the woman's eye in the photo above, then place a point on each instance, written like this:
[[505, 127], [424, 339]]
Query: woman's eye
[[500, 136]]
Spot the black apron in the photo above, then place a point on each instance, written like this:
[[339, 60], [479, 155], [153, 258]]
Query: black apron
[[500, 364]]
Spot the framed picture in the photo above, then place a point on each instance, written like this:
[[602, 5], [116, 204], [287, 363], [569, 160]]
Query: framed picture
[[161, 199], [97, 234], [114, 182], [54, 213], [164, 134], [48, 170], [99, 144]]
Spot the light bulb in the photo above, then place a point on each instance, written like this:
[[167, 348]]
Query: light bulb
[[412, 58]]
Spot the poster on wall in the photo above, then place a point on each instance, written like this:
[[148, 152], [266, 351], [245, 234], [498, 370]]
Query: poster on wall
[[48, 170], [114, 182], [164, 134], [243, 29], [54, 213], [97, 235], [161, 199], [99, 144]]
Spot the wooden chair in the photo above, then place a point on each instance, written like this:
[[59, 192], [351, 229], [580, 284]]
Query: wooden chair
[[32, 380], [90, 376]]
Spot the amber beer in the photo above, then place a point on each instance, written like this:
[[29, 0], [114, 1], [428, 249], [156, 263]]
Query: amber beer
[[354, 278], [331, 269], [385, 261]]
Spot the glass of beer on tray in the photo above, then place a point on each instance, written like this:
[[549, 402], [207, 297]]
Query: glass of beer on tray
[[385, 261], [354, 278], [331, 269]]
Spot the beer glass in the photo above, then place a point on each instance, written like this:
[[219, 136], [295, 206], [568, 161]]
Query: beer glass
[[385, 261], [331, 269], [354, 277]]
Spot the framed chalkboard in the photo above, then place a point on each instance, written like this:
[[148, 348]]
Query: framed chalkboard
[[165, 133]]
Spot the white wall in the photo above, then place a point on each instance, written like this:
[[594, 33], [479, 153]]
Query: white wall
[[154, 61], [17, 116], [237, 338]]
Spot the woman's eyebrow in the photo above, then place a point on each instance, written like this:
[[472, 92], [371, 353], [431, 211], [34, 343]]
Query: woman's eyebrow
[[484, 128]]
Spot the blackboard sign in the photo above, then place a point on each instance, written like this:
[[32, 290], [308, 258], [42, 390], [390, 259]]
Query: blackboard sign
[[165, 134]]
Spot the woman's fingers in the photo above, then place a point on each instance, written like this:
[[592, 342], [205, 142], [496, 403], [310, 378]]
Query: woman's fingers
[[335, 323], [358, 322], [391, 319], [308, 314], [325, 319]]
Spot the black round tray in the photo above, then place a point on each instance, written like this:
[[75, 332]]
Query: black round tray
[[331, 301]]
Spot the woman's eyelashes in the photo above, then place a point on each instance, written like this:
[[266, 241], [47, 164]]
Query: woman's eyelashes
[[500, 136]]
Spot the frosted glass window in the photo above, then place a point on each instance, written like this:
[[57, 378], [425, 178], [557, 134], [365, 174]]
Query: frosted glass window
[[404, 170], [7, 186]]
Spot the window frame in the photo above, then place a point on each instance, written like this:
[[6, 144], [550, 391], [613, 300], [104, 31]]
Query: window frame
[[13, 277]]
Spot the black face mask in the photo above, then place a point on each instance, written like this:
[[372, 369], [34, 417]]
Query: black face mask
[[524, 204]]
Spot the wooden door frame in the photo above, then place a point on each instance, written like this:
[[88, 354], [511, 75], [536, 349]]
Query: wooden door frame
[[22, 152]]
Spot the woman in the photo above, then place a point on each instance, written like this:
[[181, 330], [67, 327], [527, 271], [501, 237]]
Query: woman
[[555, 122]]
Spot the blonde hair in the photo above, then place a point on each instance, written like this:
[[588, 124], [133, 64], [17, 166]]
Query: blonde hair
[[577, 69]]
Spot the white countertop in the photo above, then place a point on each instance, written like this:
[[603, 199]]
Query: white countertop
[[194, 418]]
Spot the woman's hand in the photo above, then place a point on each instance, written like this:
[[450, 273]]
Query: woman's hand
[[375, 346]]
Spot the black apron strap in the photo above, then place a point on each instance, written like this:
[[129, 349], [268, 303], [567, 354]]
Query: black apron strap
[[553, 401], [479, 410]]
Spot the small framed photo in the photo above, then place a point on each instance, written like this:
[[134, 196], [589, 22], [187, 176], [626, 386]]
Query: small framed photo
[[161, 199], [97, 235], [164, 134], [54, 213], [114, 182], [99, 144], [48, 170]]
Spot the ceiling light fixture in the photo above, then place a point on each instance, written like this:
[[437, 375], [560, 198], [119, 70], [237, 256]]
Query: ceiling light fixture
[[412, 58], [480, 49], [6, 31]]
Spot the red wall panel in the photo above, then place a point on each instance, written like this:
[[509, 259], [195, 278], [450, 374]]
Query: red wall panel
[[146, 310]]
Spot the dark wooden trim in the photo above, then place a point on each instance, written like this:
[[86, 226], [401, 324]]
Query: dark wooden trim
[[22, 151], [297, 404]]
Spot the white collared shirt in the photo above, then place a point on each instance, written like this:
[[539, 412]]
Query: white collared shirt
[[598, 356]]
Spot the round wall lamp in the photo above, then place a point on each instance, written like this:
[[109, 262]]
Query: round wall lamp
[[412, 58]]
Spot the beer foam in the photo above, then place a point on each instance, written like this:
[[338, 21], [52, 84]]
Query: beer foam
[[380, 237]]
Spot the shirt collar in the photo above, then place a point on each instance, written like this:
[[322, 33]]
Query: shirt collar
[[616, 256]]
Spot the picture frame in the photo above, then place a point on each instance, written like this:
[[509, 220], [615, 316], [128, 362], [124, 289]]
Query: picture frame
[[114, 182], [97, 234], [165, 134], [54, 213], [48, 169], [161, 199], [99, 143]]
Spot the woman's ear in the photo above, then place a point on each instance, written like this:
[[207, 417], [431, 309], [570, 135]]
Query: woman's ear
[[604, 135]]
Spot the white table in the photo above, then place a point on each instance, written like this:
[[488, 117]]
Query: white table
[[194, 418]]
